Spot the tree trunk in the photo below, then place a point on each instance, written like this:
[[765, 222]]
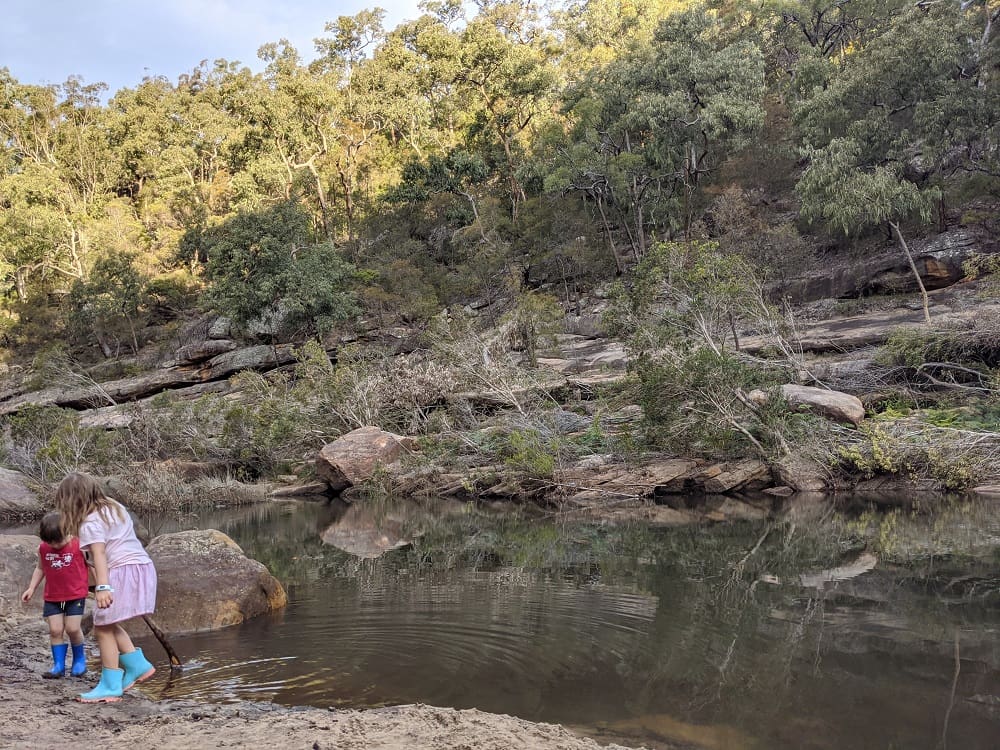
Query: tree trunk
[[913, 267]]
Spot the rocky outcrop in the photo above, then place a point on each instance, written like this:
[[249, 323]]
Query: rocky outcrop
[[841, 407], [205, 582], [595, 481], [16, 499], [938, 259], [802, 475], [353, 458], [18, 557], [203, 350], [262, 357]]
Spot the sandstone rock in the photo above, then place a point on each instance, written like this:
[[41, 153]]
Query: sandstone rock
[[801, 474], [938, 259], [203, 350], [205, 582], [735, 475], [221, 328], [18, 557], [353, 458], [626, 415], [16, 500], [835, 405], [644, 480], [568, 422]]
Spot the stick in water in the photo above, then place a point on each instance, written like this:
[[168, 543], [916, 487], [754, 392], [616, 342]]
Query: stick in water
[[175, 662]]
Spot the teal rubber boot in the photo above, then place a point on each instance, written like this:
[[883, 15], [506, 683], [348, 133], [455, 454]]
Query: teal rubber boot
[[137, 668], [79, 660], [58, 662], [108, 690]]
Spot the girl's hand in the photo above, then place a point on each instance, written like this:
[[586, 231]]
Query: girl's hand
[[104, 599], [26, 596]]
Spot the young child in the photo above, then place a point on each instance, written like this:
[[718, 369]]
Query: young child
[[61, 564], [125, 577]]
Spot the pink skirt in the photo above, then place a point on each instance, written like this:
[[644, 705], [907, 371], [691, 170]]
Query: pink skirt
[[134, 595]]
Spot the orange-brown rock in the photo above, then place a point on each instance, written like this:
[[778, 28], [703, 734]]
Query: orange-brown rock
[[353, 458], [205, 582]]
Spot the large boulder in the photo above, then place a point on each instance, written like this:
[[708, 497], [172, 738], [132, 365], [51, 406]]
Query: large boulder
[[353, 458], [841, 407], [18, 557], [205, 582], [16, 500]]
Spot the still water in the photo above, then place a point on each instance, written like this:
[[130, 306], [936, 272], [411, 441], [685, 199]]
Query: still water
[[727, 636]]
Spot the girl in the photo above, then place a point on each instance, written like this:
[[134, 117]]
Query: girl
[[61, 564], [125, 577]]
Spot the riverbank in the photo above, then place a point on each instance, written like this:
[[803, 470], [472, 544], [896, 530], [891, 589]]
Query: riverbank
[[37, 713]]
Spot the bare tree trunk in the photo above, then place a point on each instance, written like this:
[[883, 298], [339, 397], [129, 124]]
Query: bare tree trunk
[[916, 273]]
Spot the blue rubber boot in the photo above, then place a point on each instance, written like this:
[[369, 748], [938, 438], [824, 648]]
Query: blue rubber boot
[[79, 660], [108, 690], [137, 668], [58, 662]]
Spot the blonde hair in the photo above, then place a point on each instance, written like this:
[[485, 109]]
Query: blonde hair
[[77, 497]]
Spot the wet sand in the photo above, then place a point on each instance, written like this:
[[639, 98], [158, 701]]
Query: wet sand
[[38, 713]]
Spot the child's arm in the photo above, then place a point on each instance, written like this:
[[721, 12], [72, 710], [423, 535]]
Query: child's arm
[[99, 553], [36, 578]]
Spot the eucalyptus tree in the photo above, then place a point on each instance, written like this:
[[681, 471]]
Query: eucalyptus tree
[[363, 112], [903, 114], [58, 178], [503, 71], [297, 116], [653, 125], [176, 145]]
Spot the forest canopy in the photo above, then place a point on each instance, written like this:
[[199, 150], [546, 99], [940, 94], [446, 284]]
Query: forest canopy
[[401, 170]]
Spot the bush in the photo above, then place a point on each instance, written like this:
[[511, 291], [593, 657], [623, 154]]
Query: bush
[[264, 270]]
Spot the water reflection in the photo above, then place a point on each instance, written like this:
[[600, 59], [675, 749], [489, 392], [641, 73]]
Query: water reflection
[[663, 638]]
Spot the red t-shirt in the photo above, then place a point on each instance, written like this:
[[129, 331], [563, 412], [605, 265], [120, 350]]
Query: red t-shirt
[[65, 571]]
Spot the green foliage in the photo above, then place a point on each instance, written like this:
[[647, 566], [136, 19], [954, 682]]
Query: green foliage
[[535, 316], [476, 143], [681, 318], [108, 305], [264, 270], [46, 442], [978, 349], [528, 452]]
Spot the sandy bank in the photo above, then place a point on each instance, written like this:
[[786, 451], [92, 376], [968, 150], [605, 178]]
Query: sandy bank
[[37, 713]]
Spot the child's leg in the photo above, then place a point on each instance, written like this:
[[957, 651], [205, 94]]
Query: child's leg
[[125, 645], [108, 644], [56, 629], [74, 629], [56, 641]]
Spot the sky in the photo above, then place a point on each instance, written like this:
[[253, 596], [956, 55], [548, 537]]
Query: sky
[[121, 42]]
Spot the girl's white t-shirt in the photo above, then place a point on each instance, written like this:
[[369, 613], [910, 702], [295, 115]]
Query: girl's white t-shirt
[[120, 542]]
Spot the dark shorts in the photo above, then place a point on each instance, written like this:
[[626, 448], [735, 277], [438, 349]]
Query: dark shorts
[[72, 608]]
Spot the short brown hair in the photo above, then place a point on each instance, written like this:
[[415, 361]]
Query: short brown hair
[[49, 529]]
